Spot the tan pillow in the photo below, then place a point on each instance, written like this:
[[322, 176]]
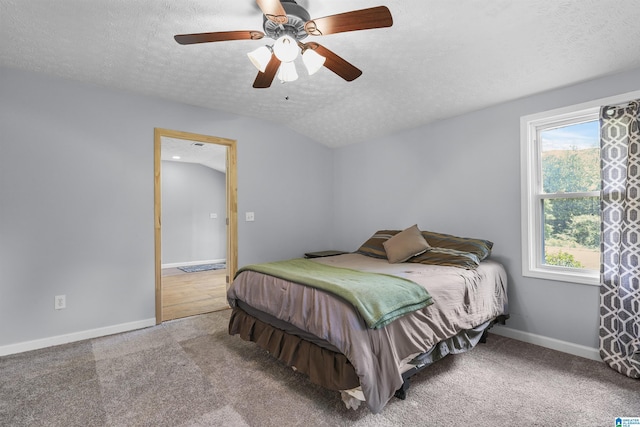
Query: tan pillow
[[406, 244]]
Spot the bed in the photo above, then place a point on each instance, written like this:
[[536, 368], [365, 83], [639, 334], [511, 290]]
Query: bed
[[458, 294]]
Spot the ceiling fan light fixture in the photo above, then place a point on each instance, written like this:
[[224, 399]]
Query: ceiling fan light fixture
[[287, 72], [288, 24], [260, 58], [286, 49], [312, 61]]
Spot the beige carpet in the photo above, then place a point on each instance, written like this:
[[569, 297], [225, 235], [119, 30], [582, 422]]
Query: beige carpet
[[190, 372]]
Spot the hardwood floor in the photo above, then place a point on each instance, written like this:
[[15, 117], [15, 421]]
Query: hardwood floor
[[188, 294]]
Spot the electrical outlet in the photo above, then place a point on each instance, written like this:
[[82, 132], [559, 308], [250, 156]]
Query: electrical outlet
[[249, 216], [60, 302]]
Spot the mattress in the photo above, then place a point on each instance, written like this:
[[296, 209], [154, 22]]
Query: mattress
[[462, 300]]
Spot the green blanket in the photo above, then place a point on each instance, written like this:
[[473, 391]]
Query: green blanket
[[379, 298]]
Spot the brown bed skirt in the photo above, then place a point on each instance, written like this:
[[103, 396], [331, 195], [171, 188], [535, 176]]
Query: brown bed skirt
[[324, 367]]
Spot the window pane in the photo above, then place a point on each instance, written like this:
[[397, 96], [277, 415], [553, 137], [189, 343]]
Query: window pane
[[572, 232], [571, 158]]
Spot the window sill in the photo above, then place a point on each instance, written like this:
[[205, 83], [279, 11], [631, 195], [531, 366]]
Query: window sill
[[586, 278]]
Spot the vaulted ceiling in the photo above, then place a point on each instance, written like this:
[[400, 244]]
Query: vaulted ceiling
[[439, 59]]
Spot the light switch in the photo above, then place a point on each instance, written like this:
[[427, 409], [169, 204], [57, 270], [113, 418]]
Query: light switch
[[249, 216], [213, 215]]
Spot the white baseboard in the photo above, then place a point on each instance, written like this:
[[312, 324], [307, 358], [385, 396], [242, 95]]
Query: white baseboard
[[552, 343], [74, 337], [188, 263]]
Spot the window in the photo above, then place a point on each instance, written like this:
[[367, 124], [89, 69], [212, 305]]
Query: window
[[562, 206], [561, 195], [560, 156]]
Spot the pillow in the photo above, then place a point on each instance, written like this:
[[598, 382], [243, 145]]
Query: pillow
[[405, 244], [479, 247], [449, 250], [446, 249], [374, 247]]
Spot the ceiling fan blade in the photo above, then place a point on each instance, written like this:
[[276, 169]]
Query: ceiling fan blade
[[264, 80], [364, 19], [273, 10], [221, 36], [335, 63]]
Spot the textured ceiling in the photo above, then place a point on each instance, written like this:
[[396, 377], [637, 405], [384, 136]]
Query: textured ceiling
[[439, 59]]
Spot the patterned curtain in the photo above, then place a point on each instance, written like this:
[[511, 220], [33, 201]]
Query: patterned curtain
[[620, 244]]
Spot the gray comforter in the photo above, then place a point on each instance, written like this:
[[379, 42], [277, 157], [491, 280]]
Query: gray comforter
[[462, 299]]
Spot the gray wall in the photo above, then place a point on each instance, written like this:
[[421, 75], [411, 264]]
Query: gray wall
[[76, 200], [462, 176], [190, 193]]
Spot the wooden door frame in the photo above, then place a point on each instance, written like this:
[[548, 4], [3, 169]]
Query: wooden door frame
[[231, 203]]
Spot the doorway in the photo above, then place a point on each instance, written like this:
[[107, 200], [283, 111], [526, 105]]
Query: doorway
[[198, 150]]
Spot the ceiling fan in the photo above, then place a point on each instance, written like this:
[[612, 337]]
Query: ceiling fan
[[288, 24]]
